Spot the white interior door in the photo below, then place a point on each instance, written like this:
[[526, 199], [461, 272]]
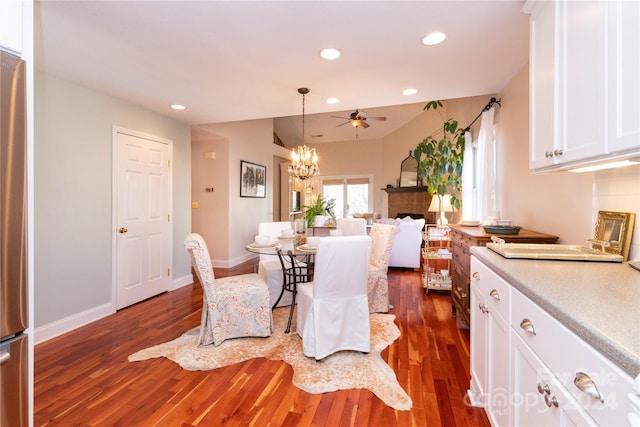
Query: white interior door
[[142, 217]]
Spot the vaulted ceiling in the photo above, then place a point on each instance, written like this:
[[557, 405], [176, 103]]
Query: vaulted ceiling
[[241, 60]]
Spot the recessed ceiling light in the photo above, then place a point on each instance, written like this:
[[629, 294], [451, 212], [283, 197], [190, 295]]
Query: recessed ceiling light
[[330, 53], [409, 91], [434, 38], [332, 101], [178, 107]]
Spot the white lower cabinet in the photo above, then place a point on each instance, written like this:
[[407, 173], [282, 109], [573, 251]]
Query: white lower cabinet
[[537, 397], [490, 342], [527, 369]]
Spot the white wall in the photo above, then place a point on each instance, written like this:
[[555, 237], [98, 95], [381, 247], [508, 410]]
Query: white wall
[[73, 163], [618, 190]]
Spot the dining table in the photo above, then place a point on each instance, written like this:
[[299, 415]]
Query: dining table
[[296, 260]]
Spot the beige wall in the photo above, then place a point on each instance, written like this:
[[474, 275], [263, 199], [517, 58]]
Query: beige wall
[[548, 202], [563, 204], [225, 220]]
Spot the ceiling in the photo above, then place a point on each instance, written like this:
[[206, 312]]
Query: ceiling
[[242, 60]]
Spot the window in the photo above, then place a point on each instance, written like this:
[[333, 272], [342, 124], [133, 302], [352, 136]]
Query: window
[[352, 194]]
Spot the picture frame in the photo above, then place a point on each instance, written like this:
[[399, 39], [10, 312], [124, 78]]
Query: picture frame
[[253, 180], [615, 228]]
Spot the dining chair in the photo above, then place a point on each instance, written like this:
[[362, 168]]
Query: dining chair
[[333, 311], [269, 267], [352, 226], [382, 236], [233, 307]]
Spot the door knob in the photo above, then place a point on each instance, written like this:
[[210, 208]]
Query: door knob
[[122, 230]]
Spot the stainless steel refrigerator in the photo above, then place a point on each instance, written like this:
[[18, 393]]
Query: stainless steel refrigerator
[[13, 244]]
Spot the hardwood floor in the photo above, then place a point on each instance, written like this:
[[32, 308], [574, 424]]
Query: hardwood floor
[[83, 378]]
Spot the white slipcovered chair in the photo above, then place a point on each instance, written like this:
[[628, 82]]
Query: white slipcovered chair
[[333, 310], [269, 267], [236, 306], [352, 226], [406, 251], [382, 236]]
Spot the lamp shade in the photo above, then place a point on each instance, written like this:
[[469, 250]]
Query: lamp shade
[[440, 203]]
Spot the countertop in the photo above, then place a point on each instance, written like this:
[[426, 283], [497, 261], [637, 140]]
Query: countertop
[[598, 301]]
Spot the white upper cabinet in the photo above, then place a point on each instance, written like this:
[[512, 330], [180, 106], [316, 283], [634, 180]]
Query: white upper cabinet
[[11, 25], [584, 91], [624, 77]]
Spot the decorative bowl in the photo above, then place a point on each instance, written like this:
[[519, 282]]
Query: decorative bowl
[[501, 229]]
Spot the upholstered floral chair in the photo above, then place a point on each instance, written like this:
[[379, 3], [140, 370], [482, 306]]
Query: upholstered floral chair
[[236, 306], [382, 236]]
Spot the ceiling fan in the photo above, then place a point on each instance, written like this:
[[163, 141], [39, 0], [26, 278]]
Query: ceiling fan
[[358, 119]]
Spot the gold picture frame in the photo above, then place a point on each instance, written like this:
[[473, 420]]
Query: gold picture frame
[[615, 228]]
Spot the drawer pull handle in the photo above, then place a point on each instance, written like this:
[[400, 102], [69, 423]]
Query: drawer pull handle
[[544, 388], [476, 275], [495, 294], [586, 384], [550, 401], [527, 326]]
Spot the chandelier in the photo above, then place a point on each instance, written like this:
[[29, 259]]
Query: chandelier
[[305, 162], [304, 159]]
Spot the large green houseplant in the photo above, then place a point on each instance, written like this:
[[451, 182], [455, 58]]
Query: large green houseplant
[[319, 206], [440, 158]]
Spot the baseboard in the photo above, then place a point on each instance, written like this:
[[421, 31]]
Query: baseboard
[[180, 282], [233, 262], [68, 324]]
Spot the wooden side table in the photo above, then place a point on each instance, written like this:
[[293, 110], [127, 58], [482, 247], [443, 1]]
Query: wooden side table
[[465, 237]]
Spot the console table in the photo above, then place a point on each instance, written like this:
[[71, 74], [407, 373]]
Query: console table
[[463, 238]]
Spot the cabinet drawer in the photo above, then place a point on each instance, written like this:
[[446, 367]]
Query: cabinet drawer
[[461, 256], [566, 354], [495, 290]]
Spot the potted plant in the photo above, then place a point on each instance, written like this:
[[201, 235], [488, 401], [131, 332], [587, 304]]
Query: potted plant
[[440, 158], [318, 209]]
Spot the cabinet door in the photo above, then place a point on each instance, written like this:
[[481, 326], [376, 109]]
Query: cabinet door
[[498, 375], [583, 26], [479, 351], [624, 76], [569, 110], [538, 399], [543, 102]]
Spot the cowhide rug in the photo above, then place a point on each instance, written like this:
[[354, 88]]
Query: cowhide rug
[[340, 371]]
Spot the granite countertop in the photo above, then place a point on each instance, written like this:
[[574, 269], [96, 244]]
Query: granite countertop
[[598, 301]]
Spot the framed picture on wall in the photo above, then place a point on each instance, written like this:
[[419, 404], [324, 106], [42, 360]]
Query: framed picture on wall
[[253, 180]]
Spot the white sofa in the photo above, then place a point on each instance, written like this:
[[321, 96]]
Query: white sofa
[[406, 250]]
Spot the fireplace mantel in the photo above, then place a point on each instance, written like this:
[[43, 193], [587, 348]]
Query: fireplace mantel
[[396, 190]]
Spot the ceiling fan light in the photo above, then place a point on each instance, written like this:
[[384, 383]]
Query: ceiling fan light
[[330, 53], [434, 38], [356, 123]]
